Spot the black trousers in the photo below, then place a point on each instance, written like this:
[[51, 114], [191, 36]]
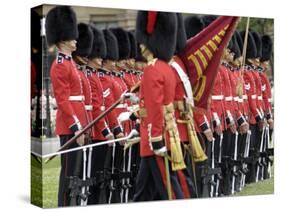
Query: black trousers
[[227, 152], [97, 194], [189, 174], [149, 183], [251, 175], [71, 165]]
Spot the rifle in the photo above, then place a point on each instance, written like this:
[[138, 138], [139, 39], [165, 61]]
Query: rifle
[[219, 161], [234, 166], [213, 166], [245, 155], [260, 151], [91, 124]]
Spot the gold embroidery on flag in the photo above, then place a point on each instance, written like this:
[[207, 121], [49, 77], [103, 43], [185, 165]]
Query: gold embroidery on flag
[[207, 51], [212, 45], [197, 65], [217, 38], [199, 92], [202, 58]]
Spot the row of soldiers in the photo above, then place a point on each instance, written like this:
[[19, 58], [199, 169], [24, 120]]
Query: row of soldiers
[[96, 68]]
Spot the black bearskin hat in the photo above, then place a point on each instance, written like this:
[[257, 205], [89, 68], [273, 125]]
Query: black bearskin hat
[[84, 41], [230, 44], [267, 47], [61, 25], [35, 26], [158, 32], [240, 41], [258, 43], [99, 47], [133, 44], [235, 47], [123, 42], [208, 19], [181, 35], [112, 52], [251, 51], [193, 25]]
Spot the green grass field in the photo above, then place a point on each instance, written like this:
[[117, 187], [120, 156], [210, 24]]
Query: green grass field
[[48, 181]]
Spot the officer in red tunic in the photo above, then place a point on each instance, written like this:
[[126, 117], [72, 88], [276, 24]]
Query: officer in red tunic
[[153, 29], [61, 30]]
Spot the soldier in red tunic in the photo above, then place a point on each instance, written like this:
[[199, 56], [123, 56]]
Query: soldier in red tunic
[[101, 130], [156, 33], [61, 30], [255, 116], [267, 47]]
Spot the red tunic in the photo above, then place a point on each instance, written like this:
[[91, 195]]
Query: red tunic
[[157, 90], [109, 98], [100, 129], [234, 77], [217, 100], [258, 83], [67, 84], [229, 110], [87, 94], [180, 95], [250, 88], [266, 94]]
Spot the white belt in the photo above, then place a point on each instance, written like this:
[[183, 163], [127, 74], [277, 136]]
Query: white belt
[[269, 100], [236, 98], [76, 98], [245, 97], [217, 97], [228, 98], [122, 106], [89, 107], [259, 97], [240, 100], [254, 96]]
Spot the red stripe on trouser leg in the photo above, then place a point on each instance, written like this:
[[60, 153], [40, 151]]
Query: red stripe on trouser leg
[[161, 166], [184, 185]]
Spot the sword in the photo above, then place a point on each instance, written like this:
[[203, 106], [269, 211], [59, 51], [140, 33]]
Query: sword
[[220, 154], [131, 134], [169, 187], [234, 167]]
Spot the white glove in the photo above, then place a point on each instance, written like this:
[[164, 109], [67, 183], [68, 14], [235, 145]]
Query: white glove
[[161, 152], [132, 97], [125, 116]]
